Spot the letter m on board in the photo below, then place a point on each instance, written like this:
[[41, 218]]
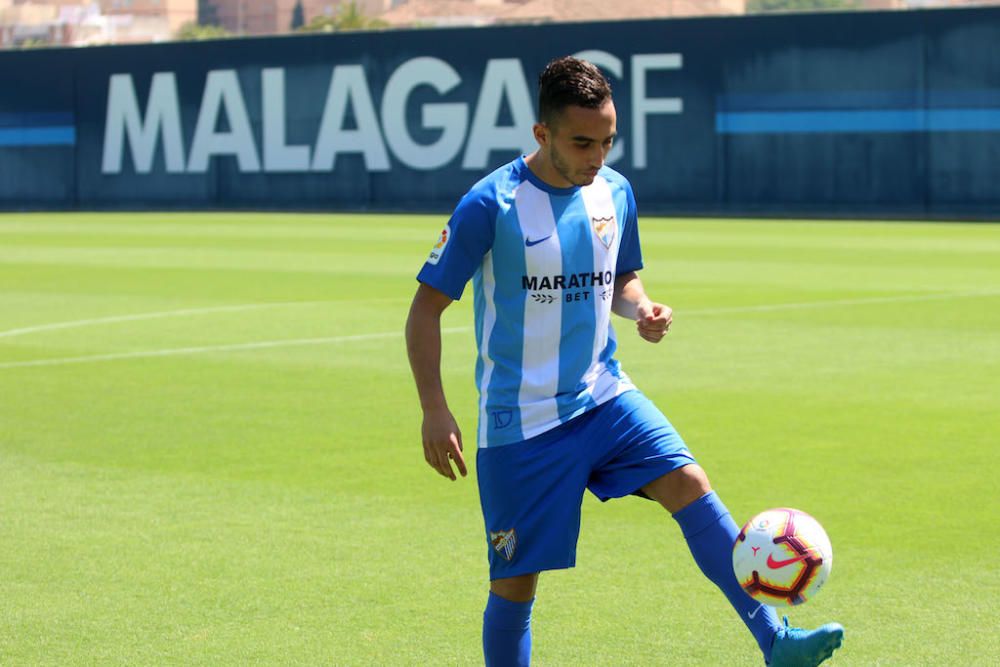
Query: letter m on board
[[124, 123]]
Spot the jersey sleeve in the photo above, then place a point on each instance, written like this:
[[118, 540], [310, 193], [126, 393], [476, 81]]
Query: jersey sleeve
[[629, 252], [460, 248]]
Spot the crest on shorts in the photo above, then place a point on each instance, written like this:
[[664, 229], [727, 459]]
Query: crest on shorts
[[604, 228], [505, 542]]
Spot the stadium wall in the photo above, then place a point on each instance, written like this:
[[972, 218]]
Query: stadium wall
[[888, 114]]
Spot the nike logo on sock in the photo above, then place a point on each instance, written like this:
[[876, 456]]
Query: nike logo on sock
[[753, 613], [529, 242]]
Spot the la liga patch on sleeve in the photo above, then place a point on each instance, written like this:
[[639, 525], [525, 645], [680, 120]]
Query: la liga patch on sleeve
[[439, 247]]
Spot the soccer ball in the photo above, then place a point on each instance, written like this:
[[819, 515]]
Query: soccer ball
[[782, 557]]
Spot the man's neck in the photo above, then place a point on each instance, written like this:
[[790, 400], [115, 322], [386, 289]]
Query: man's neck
[[542, 168]]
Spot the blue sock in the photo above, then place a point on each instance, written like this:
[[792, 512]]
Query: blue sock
[[507, 632], [710, 533]]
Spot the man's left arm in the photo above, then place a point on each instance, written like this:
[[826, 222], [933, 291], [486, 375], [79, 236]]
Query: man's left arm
[[652, 319]]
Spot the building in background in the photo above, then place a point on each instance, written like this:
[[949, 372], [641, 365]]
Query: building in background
[[31, 23], [88, 22], [434, 13], [175, 12], [487, 12], [269, 17], [75, 23]]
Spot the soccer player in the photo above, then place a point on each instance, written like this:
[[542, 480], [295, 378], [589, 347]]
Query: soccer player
[[551, 244]]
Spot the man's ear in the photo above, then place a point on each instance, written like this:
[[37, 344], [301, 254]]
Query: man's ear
[[541, 132]]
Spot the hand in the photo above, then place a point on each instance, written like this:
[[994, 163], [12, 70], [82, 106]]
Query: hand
[[443, 443], [653, 321]]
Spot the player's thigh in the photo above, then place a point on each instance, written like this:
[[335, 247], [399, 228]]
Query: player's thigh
[[531, 493], [642, 447]]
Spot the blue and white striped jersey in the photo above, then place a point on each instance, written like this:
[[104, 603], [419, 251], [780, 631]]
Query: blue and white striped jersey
[[543, 261]]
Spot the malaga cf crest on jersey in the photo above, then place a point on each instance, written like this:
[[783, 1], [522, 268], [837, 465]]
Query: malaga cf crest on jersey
[[605, 229], [505, 542]]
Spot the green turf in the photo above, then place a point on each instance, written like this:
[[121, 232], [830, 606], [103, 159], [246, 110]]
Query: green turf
[[169, 498]]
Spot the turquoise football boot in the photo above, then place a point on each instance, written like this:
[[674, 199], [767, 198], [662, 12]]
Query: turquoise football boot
[[795, 647]]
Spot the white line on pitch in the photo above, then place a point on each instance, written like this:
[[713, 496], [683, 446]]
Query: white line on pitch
[[236, 347], [74, 324], [376, 336]]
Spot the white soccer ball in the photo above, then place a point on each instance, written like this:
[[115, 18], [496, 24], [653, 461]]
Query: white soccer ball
[[782, 557]]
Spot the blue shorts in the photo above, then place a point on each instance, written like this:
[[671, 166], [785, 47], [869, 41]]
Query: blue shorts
[[531, 491]]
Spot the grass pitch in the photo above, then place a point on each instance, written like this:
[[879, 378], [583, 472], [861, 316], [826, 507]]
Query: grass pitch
[[210, 455]]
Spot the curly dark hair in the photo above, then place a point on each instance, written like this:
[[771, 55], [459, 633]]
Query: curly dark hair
[[569, 81]]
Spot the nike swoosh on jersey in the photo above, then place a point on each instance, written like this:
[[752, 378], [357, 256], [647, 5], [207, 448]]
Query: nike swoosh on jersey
[[529, 242], [777, 564]]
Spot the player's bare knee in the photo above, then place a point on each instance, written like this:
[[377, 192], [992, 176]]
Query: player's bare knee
[[695, 480], [516, 589], [679, 488]]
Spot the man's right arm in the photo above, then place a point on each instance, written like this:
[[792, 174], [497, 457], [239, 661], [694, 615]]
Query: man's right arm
[[441, 435]]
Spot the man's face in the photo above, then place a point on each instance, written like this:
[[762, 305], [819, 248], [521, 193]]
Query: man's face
[[577, 141]]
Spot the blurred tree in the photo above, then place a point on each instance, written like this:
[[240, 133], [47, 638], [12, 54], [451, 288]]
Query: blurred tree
[[194, 32], [35, 43], [348, 17]]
